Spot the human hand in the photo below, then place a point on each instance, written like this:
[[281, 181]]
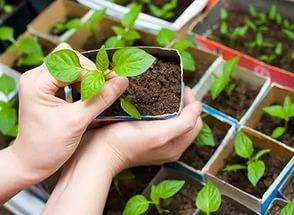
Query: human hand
[[50, 128]]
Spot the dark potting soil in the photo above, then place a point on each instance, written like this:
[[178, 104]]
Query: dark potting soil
[[192, 78], [276, 208], [155, 92], [267, 124], [288, 189], [273, 34], [63, 21], [239, 102], [197, 156], [116, 203], [274, 165]]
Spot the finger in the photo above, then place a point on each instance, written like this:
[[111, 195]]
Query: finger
[[188, 96]]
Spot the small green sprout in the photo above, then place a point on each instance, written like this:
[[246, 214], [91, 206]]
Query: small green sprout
[[8, 115], [166, 38], [259, 42], [64, 65], [125, 175], [205, 136], [289, 33], [6, 33], [254, 166], [166, 189], [208, 199], [222, 83], [167, 11], [284, 112], [288, 209], [5, 7], [126, 35], [274, 15]]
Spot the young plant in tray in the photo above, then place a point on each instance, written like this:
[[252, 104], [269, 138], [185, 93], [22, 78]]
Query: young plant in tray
[[64, 65], [254, 166], [5, 7], [167, 11], [166, 189], [166, 38], [125, 34], [8, 115], [223, 82], [205, 136], [7, 34], [125, 175], [283, 112], [208, 199], [288, 209]]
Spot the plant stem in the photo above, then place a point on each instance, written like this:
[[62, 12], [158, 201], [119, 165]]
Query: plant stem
[[160, 211]]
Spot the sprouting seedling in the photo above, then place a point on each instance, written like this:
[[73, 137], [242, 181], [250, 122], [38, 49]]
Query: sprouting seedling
[[64, 65], [222, 83], [5, 7], [289, 33], [166, 189], [205, 136], [288, 209], [126, 35], [292, 56], [208, 199], [7, 34], [30, 49], [125, 175], [77, 23], [284, 112], [278, 51], [259, 42], [254, 166], [274, 15], [166, 38], [8, 116], [167, 11], [259, 18]]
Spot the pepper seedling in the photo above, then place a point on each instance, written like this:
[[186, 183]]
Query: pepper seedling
[[205, 136], [126, 35], [5, 7], [166, 11], [222, 83], [8, 115], [208, 199], [166, 189], [284, 112], [30, 49], [166, 38], [7, 34], [125, 175], [288, 209], [255, 167], [64, 65], [259, 42]]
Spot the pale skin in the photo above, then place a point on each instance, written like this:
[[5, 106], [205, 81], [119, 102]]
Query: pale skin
[[53, 133]]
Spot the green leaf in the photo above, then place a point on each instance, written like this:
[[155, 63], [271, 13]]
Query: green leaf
[[114, 42], [131, 62], [252, 10], [74, 24], [165, 37], [96, 17], [259, 39], [288, 209], [276, 111], [64, 65], [243, 145], [182, 45], [234, 167], [124, 175], [8, 119], [188, 61], [102, 61], [154, 196], [30, 45], [217, 86], [29, 60], [279, 49], [7, 84], [6, 33], [224, 14], [119, 30], [129, 108], [92, 84], [273, 12], [129, 18], [229, 89], [230, 66], [13, 131], [136, 205], [287, 107], [132, 35], [278, 132], [205, 136], [255, 171], [289, 34], [260, 153], [168, 188], [224, 28], [209, 198]]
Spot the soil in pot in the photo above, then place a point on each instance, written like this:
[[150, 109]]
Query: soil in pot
[[239, 102], [274, 165], [276, 208], [115, 202], [267, 124], [197, 156], [288, 189], [55, 32], [192, 78], [273, 34]]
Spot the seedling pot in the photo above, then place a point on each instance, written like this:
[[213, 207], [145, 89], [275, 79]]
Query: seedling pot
[[148, 22], [210, 22], [58, 10], [258, 204], [257, 121]]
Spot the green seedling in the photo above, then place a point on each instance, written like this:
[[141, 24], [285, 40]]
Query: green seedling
[[77, 23], [167, 11], [254, 166], [30, 49], [205, 136], [64, 65], [125, 35], [8, 115], [208, 199], [125, 175], [6, 34], [166, 189], [284, 112], [259, 18], [5, 7], [222, 83], [292, 56], [289, 33], [166, 38], [259, 42], [288, 209], [274, 15]]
